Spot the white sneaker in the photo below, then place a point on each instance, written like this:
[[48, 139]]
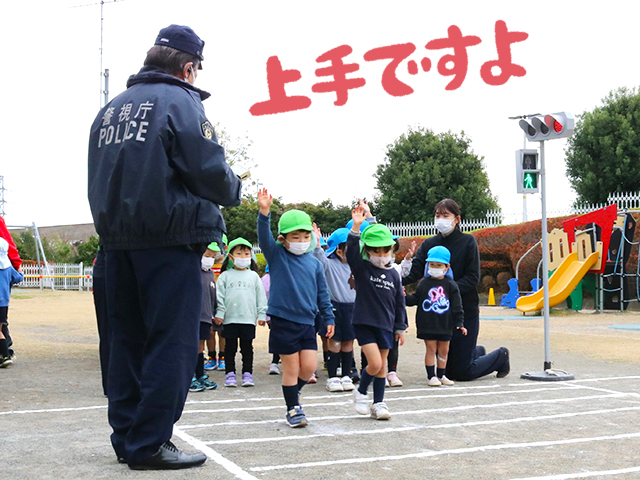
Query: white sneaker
[[445, 381], [334, 385], [273, 369], [379, 411], [361, 402], [434, 382], [386, 383], [393, 380], [347, 384]]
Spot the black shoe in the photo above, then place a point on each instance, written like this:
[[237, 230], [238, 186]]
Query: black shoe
[[169, 457], [506, 368], [121, 460]]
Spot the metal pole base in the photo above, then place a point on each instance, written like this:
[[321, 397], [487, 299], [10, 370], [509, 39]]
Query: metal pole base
[[548, 375]]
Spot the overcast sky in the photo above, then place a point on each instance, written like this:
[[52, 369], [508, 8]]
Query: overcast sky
[[575, 54]]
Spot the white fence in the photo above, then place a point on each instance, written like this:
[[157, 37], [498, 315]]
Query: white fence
[[61, 276]]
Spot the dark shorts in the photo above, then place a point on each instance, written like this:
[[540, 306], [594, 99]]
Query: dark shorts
[[4, 311], [286, 337], [344, 331], [243, 331], [215, 328], [435, 336], [367, 334], [205, 331]]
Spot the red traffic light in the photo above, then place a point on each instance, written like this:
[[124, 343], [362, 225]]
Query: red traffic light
[[553, 122], [548, 127]]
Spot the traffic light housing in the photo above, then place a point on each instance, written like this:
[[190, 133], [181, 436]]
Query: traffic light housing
[[548, 127], [527, 171]]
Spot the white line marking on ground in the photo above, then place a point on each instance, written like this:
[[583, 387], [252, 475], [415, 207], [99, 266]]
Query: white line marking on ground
[[215, 456], [597, 389], [423, 427], [51, 410], [413, 412], [482, 448], [568, 476]]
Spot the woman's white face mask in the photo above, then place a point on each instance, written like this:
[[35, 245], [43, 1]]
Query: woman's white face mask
[[444, 225]]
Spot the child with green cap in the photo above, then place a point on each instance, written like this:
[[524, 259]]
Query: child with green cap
[[200, 380], [439, 312], [212, 362], [298, 291], [379, 315], [241, 303]]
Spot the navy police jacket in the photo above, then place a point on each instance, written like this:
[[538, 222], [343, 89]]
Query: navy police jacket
[[157, 174]]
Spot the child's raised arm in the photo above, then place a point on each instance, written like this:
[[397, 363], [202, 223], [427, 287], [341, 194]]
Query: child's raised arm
[[265, 237], [264, 200]]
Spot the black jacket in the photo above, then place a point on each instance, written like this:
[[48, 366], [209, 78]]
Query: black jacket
[[439, 306], [465, 263], [157, 174]]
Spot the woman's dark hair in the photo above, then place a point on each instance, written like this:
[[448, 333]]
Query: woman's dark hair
[[225, 263], [170, 59], [447, 206]]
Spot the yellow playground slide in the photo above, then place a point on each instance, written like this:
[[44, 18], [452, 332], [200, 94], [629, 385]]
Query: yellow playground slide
[[561, 283]]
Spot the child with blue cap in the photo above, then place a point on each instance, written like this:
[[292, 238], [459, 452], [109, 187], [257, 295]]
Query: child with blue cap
[[338, 272], [439, 312]]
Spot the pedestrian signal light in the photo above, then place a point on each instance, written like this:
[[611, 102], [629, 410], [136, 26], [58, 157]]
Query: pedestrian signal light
[[527, 171], [548, 127]]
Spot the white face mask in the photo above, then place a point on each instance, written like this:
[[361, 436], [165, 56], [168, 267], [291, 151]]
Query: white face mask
[[436, 272], [380, 262], [444, 225], [242, 262], [298, 248], [207, 263]]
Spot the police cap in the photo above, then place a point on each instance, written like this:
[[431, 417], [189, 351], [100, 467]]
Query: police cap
[[182, 38]]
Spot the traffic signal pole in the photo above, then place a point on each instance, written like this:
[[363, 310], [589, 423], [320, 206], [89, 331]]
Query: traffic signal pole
[[545, 260]]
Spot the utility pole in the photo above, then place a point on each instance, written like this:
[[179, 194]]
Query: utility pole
[[2, 201]]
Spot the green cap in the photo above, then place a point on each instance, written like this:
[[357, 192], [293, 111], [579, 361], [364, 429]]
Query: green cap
[[239, 241], [213, 246], [377, 235], [225, 240], [294, 220]]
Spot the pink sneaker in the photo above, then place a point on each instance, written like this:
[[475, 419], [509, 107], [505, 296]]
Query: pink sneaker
[[313, 379], [393, 379]]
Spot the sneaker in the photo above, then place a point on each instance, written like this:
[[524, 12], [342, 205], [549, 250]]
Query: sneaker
[[361, 402], [273, 369], [196, 386], [347, 384], [386, 383], [445, 381], [207, 384], [221, 364], [6, 362], [434, 382], [296, 418], [230, 380], [393, 380], [379, 411], [355, 378], [339, 372], [247, 380], [506, 368], [211, 364], [334, 385], [313, 379]]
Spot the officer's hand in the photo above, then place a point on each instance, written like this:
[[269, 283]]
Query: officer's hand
[[331, 329]]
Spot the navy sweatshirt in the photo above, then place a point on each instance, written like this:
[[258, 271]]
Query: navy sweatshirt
[[439, 306], [465, 263], [298, 287], [379, 296]]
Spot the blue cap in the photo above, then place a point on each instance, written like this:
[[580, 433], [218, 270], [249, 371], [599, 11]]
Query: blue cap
[[266, 269], [395, 237], [364, 225], [439, 254], [335, 239], [323, 242], [182, 38]]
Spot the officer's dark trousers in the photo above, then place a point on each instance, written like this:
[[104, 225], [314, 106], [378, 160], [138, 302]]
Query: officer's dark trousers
[[463, 362], [100, 303], [154, 299]]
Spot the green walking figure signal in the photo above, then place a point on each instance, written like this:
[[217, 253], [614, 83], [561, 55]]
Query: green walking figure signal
[[527, 171]]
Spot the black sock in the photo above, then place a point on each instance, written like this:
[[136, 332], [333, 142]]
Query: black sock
[[347, 361], [333, 362], [365, 381], [290, 393], [200, 366], [4, 348], [275, 359], [378, 389], [325, 355], [441, 372], [212, 355], [301, 383], [431, 371]]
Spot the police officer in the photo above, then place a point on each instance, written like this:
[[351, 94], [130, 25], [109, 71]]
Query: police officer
[[157, 176]]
